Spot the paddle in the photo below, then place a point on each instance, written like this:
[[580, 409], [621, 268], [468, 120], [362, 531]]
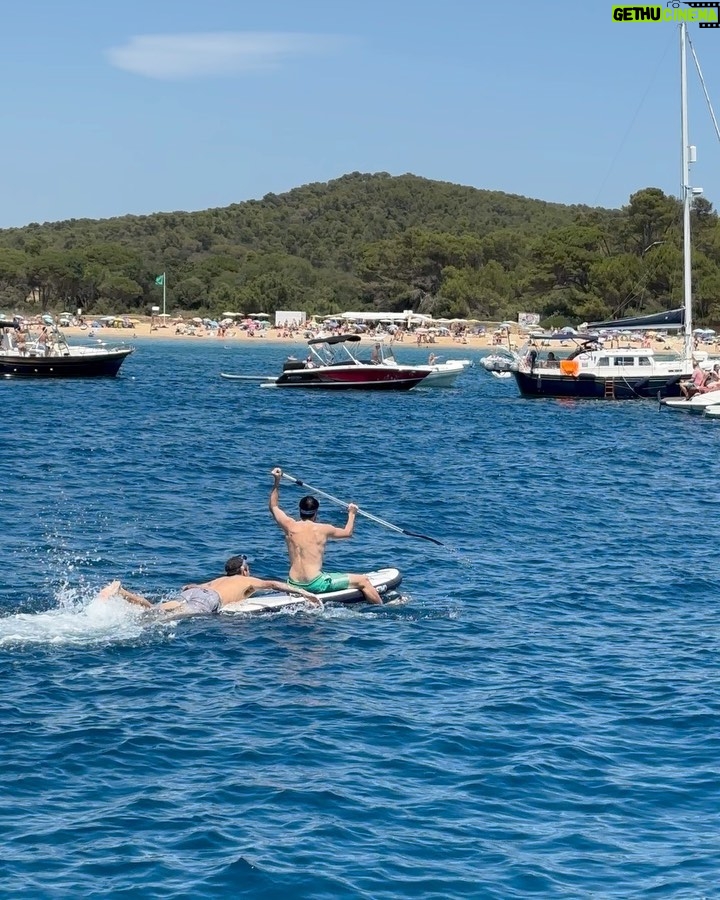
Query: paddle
[[361, 512]]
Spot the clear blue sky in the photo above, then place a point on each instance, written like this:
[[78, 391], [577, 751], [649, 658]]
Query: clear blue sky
[[121, 106]]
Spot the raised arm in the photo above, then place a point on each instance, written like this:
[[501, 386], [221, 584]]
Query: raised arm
[[282, 518], [346, 532]]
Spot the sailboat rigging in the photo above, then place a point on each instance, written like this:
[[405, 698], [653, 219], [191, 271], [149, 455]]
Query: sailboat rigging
[[590, 368]]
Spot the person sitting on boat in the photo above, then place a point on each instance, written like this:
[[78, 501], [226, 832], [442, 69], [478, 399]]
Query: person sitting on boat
[[432, 359], [696, 383], [375, 355], [306, 540], [210, 596], [712, 381], [552, 361]]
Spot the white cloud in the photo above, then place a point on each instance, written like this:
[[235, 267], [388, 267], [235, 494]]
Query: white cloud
[[171, 56]]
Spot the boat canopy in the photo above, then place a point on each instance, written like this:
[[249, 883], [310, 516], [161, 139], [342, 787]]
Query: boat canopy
[[335, 339], [577, 336], [670, 318]]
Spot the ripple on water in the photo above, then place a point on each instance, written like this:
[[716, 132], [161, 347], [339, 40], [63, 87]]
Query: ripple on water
[[538, 719]]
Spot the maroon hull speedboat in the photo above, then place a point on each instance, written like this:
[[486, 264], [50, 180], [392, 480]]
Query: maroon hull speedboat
[[332, 365]]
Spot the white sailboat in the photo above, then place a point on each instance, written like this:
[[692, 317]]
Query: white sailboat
[[589, 368], [698, 403]]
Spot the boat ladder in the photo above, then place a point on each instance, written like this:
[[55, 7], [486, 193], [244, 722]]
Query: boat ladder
[[610, 389]]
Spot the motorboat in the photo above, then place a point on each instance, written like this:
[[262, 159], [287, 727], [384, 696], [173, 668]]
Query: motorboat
[[444, 374], [698, 403], [584, 365], [332, 364], [439, 374], [48, 355], [587, 365], [501, 363]]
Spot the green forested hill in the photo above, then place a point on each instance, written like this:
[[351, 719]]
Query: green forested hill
[[370, 241]]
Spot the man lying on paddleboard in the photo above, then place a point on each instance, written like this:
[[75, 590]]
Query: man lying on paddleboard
[[306, 540], [210, 596]]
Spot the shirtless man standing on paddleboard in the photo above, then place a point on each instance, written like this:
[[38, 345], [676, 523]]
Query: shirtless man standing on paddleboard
[[306, 540]]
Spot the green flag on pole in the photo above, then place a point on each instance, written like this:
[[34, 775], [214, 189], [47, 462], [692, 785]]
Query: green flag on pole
[[160, 279]]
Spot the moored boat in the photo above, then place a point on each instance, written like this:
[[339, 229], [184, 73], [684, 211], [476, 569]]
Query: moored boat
[[332, 365], [698, 404], [50, 356], [592, 368], [583, 366], [438, 374]]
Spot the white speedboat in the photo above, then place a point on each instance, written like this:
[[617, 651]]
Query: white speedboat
[[698, 403], [438, 374], [444, 374], [501, 363]]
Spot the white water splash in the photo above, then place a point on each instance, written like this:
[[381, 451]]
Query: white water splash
[[77, 622]]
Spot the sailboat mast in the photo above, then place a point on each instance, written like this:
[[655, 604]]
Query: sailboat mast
[[688, 156]]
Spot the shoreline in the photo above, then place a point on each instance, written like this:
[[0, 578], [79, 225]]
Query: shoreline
[[145, 331]]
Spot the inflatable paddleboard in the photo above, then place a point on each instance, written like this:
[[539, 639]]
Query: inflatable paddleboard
[[383, 580], [255, 378]]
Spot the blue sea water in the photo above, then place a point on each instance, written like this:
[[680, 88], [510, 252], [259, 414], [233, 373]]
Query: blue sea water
[[539, 719]]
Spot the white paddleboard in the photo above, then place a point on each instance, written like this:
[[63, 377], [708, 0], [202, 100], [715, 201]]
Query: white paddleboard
[[255, 378], [383, 580]]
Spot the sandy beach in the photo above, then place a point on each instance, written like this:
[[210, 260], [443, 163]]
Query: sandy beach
[[144, 329]]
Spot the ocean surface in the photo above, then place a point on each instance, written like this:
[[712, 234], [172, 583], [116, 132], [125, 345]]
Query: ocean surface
[[540, 718]]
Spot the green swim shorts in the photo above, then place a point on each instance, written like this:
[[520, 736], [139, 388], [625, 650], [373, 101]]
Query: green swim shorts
[[323, 583]]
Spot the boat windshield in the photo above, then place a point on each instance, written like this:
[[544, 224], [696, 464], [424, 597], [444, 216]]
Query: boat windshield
[[332, 354], [46, 341]]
